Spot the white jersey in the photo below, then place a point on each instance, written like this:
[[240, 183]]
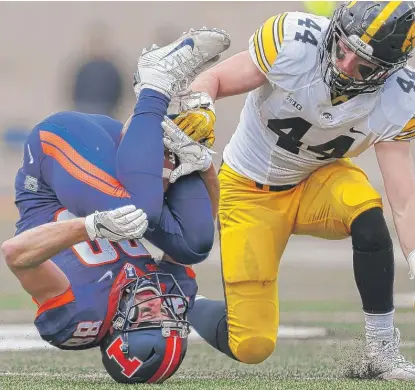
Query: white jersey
[[290, 127]]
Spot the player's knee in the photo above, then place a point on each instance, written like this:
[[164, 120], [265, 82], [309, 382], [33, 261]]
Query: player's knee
[[254, 349], [369, 231], [252, 320]]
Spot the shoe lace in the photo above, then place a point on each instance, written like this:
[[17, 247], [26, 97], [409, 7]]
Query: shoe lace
[[392, 349], [184, 71]]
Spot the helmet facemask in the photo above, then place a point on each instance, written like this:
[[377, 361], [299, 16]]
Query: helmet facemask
[[148, 338], [144, 305]]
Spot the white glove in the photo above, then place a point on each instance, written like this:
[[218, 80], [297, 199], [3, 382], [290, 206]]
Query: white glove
[[124, 223], [192, 155], [189, 101]]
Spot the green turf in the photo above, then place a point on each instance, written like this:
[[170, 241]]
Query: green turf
[[254, 383], [294, 365], [314, 364]]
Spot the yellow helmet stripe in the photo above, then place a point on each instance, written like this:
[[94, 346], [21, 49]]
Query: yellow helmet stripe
[[410, 126], [258, 53], [409, 40], [405, 137], [268, 41], [281, 28], [379, 20], [351, 4]]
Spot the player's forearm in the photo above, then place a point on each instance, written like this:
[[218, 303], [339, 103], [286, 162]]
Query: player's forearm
[[207, 82], [398, 172], [404, 217], [234, 76], [32, 247], [210, 178]]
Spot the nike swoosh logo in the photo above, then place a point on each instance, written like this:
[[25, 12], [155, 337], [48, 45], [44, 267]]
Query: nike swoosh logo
[[187, 42], [31, 160], [101, 227], [105, 276], [353, 130]]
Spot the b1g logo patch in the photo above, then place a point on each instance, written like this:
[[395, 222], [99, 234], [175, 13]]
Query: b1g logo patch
[[31, 183]]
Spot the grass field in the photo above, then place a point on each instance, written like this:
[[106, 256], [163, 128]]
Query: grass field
[[295, 365]]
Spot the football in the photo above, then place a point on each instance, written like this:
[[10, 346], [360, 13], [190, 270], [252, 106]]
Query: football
[[170, 163]]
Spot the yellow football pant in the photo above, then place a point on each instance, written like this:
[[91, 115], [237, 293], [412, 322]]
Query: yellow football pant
[[255, 227]]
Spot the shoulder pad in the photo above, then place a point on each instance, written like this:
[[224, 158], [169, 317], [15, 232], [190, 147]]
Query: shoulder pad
[[288, 41], [394, 116], [296, 40], [266, 42], [299, 53], [398, 96]]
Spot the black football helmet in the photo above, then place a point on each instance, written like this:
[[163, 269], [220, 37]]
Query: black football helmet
[[141, 349], [381, 33]]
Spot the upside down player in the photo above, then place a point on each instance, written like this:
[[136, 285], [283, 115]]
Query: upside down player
[[92, 157], [322, 91], [102, 293], [129, 306]]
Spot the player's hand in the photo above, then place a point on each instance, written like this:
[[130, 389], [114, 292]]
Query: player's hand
[[192, 155], [193, 112], [197, 117], [124, 223]]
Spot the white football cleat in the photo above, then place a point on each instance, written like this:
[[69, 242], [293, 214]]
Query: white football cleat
[[383, 360], [170, 69]]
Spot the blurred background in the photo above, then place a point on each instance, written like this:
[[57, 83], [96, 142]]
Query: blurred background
[[81, 56]]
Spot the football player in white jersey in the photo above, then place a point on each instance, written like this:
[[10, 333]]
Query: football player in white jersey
[[320, 91]]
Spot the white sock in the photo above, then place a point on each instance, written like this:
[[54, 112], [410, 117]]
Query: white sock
[[379, 326]]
